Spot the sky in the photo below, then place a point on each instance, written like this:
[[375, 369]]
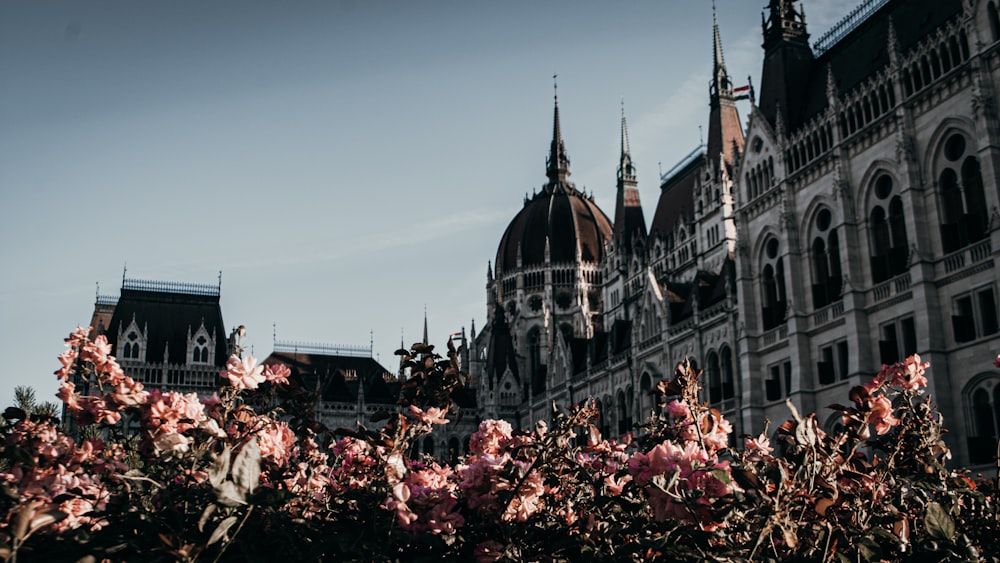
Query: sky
[[346, 165]]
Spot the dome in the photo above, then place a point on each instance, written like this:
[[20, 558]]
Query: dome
[[567, 219]]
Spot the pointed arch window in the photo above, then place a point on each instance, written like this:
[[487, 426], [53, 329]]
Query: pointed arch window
[[964, 218], [887, 229], [991, 12], [773, 298], [825, 258], [983, 397]]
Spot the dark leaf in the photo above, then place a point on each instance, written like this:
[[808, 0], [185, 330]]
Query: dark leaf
[[221, 529], [938, 522]]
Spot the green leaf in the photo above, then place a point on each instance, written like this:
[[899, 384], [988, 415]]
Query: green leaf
[[938, 522], [869, 550], [220, 468], [246, 466], [221, 529], [721, 475]]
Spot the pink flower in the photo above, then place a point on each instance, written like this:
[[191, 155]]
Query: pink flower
[[243, 373], [129, 393], [68, 395], [67, 359], [277, 373], [679, 409], [881, 415], [910, 373], [276, 442], [96, 351], [491, 437], [433, 415], [760, 444], [996, 361], [78, 337]]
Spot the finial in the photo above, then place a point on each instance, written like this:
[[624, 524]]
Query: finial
[[124, 269], [274, 334], [220, 281], [555, 87], [97, 291], [701, 136]]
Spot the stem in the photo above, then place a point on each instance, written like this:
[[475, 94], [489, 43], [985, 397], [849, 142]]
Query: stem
[[236, 533]]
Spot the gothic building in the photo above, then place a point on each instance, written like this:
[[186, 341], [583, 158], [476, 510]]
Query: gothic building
[[850, 222]]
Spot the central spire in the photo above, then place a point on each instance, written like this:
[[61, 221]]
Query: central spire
[[557, 168], [629, 220], [719, 75]]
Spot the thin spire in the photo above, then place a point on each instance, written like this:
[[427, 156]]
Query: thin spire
[[557, 168], [719, 59], [629, 220], [626, 171], [426, 341]]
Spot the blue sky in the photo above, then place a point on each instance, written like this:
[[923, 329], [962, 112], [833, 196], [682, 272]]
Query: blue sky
[[345, 164]]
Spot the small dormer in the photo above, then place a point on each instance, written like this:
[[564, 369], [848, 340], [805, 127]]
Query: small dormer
[[132, 342], [200, 346]]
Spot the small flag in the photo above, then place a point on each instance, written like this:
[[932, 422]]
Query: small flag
[[456, 336], [742, 89]]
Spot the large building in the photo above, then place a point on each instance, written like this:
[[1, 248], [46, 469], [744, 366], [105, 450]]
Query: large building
[[852, 222]]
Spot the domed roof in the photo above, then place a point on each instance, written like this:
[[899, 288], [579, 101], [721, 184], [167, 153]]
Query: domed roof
[[559, 215], [566, 219]]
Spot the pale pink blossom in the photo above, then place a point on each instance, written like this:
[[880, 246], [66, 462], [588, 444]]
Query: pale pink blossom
[[679, 409], [491, 437], [171, 443], [78, 337], [881, 415], [277, 373], [243, 373], [129, 393], [96, 351], [68, 360], [276, 441], [433, 415], [761, 444]]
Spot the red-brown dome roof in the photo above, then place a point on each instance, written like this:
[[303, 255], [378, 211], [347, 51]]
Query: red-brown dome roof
[[564, 217]]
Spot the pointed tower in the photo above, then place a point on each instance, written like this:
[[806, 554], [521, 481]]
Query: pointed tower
[[724, 130], [557, 165], [629, 220], [787, 63]]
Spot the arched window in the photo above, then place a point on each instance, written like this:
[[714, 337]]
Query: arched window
[[887, 228], [714, 378], [646, 397], [964, 218], [429, 446], [773, 299], [728, 374], [983, 396]]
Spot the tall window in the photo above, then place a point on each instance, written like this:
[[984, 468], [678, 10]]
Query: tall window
[[984, 399], [721, 379], [964, 218], [975, 315], [887, 228], [826, 270], [773, 297]]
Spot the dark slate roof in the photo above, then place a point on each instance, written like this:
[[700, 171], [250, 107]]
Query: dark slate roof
[[709, 287], [170, 311], [339, 376], [863, 52], [677, 197], [567, 218], [629, 219]]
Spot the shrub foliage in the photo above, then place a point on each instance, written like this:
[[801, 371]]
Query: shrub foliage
[[250, 474]]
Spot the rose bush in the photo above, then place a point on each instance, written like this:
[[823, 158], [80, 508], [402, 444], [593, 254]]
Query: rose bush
[[250, 474]]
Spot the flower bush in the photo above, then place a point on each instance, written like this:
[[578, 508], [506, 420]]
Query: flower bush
[[250, 474]]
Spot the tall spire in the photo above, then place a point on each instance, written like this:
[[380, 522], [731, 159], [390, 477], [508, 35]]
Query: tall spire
[[629, 219], [626, 171], [787, 58], [426, 341], [557, 168], [719, 74], [724, 128]]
